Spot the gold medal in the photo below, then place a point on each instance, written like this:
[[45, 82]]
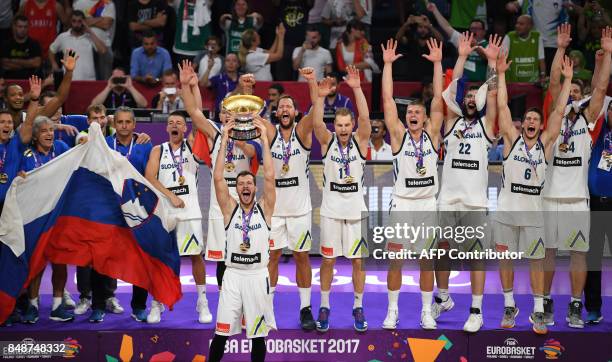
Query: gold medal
[[459, 134], [244, 247], [349, 179], [230, 167], [181, 180], [3, 178], [563, 147], [285, 168], [421, 170]]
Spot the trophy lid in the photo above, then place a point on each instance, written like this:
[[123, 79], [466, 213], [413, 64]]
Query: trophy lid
[[243, 103]]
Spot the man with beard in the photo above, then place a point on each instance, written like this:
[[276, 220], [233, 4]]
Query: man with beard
[[343, 207], [291, 222], [334, 100], [173, 170], [84, 41], [518, 223], [238, 155], [567, 193], [120, 91], [416, 179], [468, 136], [246, 289]]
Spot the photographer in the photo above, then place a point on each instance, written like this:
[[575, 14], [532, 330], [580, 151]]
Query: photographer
[[169, 98], [120, 91]]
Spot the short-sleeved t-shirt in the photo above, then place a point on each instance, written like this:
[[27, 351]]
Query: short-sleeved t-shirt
[[256, 64], [97, 9], [10, 161], [317, 59], [84, 47], [22, 51], [475, 66], [33, 159], [138, 13], [137, 154]]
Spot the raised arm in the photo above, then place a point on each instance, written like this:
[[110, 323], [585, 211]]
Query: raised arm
[[151, 175], [437, 107], [599, 92], [276, 52], [551, 133], [464, 49], [226, 203], [269, 194], [564, 32], [25, 131], [321, 132], [492, 53], [304, 127], [392, 121], [442, 22], [364, 126], [69, 62], [188, 80], [506, 128]]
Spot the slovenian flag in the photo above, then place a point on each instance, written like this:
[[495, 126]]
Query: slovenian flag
[[88, 206]]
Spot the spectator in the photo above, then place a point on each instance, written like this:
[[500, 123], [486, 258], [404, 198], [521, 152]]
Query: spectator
[[149, 61], [274, 93], [378, 149], [412, 40], [257, 60], [236, 23], [225, 82], [294, 16], [547, 16], [579, 63], [336, 14], [120, 91], [169, 98], [21, 55], [84, 41], [311, 54], [6, 15], [14, 101], [425, 95], [476, 65], [146, 16], [526, 51], [192, 27], [101, 18], [355, 50], [464, 12], [210, 61], [42, 21], [335, 100], [591, 21]]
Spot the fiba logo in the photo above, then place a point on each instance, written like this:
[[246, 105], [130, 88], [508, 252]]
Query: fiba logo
[[511, 349], [138, 202], [511, 342]]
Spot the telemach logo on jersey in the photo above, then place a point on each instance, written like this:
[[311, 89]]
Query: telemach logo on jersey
[[511, 349]]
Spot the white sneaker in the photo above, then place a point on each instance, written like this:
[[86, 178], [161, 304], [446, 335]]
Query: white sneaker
[[83, 306], [155, 313], [391, 319], [427, 321], [113, 306], [204, 315], [474, 322], [438, 307], [67, 299]]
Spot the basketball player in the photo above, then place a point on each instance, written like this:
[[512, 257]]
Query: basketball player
[[415, 150], [238, 156], [566, 194], [518, 224], [343, 206], [463, 192], [291, 222], [173, 170], [246, 283]]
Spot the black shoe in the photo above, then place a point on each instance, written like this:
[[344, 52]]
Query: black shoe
[[306, 320]]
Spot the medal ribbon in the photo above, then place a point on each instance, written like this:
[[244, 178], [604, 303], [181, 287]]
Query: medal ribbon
[[130, 149], [179, 164], [607, 141], [2, 161], [418, 151], [246, 220], [532, 163], [229, 155], [568, 129], [468, 126], [286, 150], [37, 164], [345, 157]]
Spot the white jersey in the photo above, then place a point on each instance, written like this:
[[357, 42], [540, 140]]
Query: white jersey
[[292, 188], [257, 255], [568, 175], [520, 198], [465, 177], [169, 176], [342, 199], [241, 163], [408, 183]]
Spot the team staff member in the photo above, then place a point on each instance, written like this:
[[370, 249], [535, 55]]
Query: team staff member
[[246, 283]]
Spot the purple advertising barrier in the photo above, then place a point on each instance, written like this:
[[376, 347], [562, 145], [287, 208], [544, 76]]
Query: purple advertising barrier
[[49, 345], [521, 346], [292, 345]]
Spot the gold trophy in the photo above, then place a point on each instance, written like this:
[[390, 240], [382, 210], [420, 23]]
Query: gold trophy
[[243, 109]]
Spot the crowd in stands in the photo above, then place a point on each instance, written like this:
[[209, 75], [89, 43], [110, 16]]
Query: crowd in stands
[[127, 41]]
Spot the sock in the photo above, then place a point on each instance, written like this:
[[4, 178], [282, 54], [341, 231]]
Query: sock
[[34, 302], [57, 301], [358, 301], [443, 294], [393, 297], [547, 296], [426, 298], [325, 299], [258, 352], [538, 303], [304, 297], [477, 302], [509, 298], [575, 299], [201, 291]]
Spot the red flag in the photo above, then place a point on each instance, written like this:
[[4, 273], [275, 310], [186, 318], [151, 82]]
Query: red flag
[[200, 148]]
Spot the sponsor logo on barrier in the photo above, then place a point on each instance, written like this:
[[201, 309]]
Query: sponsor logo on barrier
[[552, 349], [511, 349]]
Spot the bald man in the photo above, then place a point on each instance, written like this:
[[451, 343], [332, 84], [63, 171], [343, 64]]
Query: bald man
[[526, 50]]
